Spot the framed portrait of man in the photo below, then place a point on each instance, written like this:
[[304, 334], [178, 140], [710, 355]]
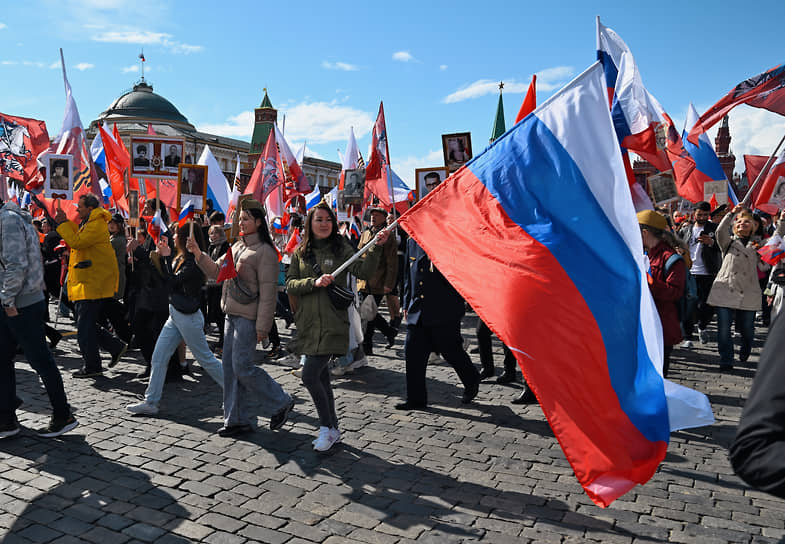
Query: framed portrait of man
[[133, 208], [191, 185], [59, 182], [778, 193], [156, 157], [457, 149], [428, 178], [662, 188], [354, 183]]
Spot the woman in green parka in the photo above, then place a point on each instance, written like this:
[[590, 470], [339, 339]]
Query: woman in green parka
[[322, 329]]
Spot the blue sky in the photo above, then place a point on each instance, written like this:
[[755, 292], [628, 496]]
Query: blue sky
[[327, 65]]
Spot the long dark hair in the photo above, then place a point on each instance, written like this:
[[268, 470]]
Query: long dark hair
[[334, 239], [264, 232], [182, 235]]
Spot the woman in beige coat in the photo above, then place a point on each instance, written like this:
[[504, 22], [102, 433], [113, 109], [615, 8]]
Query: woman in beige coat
[[249, 304], [736, 290]]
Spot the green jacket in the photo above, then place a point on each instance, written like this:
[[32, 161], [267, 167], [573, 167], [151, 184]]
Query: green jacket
[[321, 329]]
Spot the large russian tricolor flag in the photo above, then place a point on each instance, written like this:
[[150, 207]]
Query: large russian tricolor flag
[[540, 236]]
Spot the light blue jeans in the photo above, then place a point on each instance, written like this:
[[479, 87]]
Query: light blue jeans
[[179, 327], [248, 390]]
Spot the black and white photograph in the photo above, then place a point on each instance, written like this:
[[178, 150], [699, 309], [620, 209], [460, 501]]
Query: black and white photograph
[[59, 177], [192, 186], [428, 179], [457, 149]]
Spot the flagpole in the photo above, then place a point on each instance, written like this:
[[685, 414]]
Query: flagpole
[[763, 171], [362, 251]]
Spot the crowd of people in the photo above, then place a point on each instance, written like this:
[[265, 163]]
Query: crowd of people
[[158, 292]]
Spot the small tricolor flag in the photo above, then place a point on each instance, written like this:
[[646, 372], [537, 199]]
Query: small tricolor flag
[[313, 198], [773, 252], [186, 214]]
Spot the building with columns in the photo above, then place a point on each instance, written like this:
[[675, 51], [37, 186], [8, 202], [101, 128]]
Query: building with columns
[[135, 110]]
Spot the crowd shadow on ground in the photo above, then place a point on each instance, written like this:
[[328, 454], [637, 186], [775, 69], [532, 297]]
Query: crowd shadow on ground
[[88, 492]]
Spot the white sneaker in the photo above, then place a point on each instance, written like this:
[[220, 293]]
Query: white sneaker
[[291, 360], [686, 344], [327, 437], [340, 370], [144, 408], [359, 363], [703, 335]]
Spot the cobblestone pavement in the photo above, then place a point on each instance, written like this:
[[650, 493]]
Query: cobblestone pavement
[[489, 472]]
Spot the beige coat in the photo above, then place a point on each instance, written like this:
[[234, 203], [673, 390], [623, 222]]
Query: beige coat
[[257, 268], [736, 285]]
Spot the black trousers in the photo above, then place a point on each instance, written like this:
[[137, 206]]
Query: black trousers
[[703, 312], [444, 339], [486, 351], [378, 322]]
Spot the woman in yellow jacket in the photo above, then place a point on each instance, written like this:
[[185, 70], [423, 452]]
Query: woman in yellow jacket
[[93, 278]]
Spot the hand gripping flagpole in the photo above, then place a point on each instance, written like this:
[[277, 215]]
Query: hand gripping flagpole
[[364, 249], [761, 175]]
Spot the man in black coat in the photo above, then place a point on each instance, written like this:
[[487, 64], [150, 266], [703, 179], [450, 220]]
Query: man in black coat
[[758, 453], [432, 310]]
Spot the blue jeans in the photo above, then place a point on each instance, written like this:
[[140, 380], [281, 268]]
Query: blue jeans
[[27, 330], [179, 327], [248, 390], [746, 322], [91, 335]]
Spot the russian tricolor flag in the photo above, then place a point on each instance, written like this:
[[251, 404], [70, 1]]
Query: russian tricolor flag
[[313, 198], [186, 214], [707, 165], [544, 217]]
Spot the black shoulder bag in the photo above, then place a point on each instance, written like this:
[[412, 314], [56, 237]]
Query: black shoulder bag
[[340, 297]]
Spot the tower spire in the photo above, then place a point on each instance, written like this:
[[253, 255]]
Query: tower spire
[[498, 123]]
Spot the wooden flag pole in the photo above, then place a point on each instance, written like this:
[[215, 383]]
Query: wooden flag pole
[[761, 174]]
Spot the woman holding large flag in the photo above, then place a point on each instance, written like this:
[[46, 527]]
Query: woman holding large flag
[[185, 322], [248, 300], [323, 328]]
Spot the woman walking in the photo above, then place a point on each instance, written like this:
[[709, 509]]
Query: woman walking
[[323, 328], [249, 304], [736, 290], [185, 321]]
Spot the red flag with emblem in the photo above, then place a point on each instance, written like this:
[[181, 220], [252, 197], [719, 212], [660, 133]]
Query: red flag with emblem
[[267, 174], [227, 270], [376, 170], [21, 141]]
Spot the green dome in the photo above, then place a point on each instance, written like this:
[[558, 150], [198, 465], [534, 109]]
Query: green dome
[[143, 104]]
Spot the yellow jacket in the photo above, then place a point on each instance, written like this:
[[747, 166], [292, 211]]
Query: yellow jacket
[[92, 268]]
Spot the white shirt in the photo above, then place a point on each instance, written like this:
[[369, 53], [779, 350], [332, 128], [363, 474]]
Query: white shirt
[[698, 266]]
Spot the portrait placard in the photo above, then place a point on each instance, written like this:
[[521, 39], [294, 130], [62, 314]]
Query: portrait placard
[[457, 149], [428, 178], [156, 156], [59, 181], [662, 188], [719, 189], [191, 185], [133, 208], [778, 193]]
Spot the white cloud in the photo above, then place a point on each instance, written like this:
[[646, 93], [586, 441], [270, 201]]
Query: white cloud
[[316, 122], [552, 78], [3, 25], [9, 62], [754, 131], [547, 80], [82, 66], [405, 167], [345, 66], [442, 67], [145, 37], [403, 56], [130, 69], [37, 64], [55, 65]]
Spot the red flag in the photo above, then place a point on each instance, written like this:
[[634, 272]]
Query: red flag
[[772, 189], [21, 141], [267, 174], [713, 201], [376, 170], [117, 161], [227, 270], [291, 245], [766, 90], [530, 101]]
